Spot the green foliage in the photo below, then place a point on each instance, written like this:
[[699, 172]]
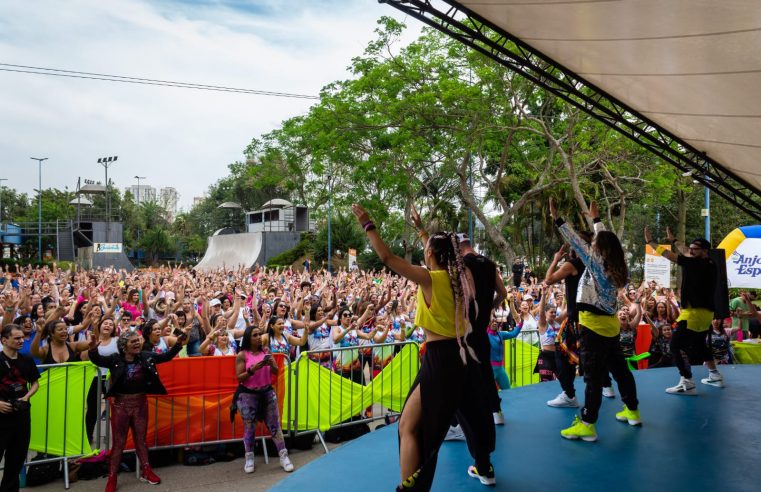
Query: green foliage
[[345, 234], [156, 243], [368, 260], [289, 257]]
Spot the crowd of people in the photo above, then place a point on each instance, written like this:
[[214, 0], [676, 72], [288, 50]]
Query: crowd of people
[[584, 316]]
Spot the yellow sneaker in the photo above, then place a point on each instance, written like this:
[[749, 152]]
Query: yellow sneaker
[[632, 416], [580, 430]]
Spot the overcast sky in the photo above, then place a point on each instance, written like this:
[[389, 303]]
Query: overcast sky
[[175, 137]]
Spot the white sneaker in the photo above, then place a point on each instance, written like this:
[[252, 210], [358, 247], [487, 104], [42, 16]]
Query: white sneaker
[[714, 379], [607, 392], [285, 461], [685, 387], [249, 466], [499, 418], [455, 433], [562, 401]]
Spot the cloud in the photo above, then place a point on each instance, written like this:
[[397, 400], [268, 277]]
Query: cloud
[[176, 137]]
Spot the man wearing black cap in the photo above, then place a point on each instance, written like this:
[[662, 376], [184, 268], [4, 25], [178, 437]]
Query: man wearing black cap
[[699, 274], [490, 293]]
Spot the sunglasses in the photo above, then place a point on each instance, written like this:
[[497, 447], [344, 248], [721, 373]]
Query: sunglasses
[[283, 306], [346, 315]]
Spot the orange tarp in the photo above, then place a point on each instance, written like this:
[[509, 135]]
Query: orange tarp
[[197, 406], [642, 343]]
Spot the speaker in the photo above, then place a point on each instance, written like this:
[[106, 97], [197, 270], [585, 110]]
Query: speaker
[[721, 295]]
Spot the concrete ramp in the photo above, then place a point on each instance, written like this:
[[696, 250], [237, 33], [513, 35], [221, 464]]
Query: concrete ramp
[[231, 251]]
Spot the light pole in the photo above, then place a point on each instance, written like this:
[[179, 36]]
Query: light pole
[[330, 203], [39, 207], [138, 178], [707, 212], [106, 163], [1, 203]]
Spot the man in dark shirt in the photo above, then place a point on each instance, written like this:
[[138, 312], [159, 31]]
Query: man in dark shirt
[[18, 382], [489, 292], [699, 275], [488, 285], [517, 273]]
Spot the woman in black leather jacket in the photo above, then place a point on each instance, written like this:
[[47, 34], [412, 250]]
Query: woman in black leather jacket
[[133, 376]]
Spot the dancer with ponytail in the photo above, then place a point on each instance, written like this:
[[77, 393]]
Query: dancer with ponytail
[[605, 273], [449, 378]]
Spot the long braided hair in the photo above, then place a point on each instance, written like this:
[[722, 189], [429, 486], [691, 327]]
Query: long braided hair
[[446, 251]]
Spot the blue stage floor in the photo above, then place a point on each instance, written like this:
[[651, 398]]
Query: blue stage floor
[[708, 442]]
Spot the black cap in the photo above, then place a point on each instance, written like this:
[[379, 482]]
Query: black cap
[[702, 243]]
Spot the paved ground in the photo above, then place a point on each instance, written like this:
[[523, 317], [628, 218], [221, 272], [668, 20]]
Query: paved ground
[[219, 476]]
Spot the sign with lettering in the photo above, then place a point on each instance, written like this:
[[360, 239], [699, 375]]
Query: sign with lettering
[[657, 267], [744, 265], [743, 249], [107, 248]]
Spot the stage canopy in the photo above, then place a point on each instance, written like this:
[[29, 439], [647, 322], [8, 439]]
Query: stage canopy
[[683, 77]]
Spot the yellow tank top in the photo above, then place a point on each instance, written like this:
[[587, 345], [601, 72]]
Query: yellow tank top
[[439, 316]]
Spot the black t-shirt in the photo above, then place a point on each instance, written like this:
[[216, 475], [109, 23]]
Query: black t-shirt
[[572, 288], [15, 377], [484, 273], [698, 282], [517, 274]]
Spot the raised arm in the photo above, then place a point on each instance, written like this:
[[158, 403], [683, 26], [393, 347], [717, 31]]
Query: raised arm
[[542, 325], [666, 253], [501, 293], [555, 274], [417, 274]]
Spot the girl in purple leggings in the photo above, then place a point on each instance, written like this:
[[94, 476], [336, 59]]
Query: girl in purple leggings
[[255, 397]]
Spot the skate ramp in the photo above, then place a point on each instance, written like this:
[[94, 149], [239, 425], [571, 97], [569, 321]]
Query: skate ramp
[[231, 251]]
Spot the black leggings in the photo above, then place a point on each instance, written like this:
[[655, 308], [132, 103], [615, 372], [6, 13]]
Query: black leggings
[[93, 408], [565, 372], [14, 444], [689, 345], [600, 355], [448, 387]]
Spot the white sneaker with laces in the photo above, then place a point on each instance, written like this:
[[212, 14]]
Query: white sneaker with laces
[[562, 401], [607, 392], [455, 433], [499, 418], [685, 387], [249, 466], [714, 379], [285, 461]]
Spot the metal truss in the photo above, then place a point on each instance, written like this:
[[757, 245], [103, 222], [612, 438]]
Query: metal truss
[[469, 28]]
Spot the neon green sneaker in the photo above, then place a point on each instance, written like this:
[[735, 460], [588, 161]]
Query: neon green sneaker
[[580, 430], [632, 416]]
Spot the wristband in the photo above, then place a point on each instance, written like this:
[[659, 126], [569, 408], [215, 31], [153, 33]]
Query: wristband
[[660, 249], [370, 227]]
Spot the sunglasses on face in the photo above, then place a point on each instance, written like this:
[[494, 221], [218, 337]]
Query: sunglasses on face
[[346, 315]]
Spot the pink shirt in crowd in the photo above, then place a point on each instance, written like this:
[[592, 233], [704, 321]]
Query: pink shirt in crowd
[[262, 377]]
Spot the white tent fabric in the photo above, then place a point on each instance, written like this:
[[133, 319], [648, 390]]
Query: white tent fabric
[[691, 66]]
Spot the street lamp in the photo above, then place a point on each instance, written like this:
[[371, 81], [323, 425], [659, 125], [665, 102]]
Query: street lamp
[[330, 213], [138, 178], [39, 207], [706, 211], [1, 203], [106, 163]]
